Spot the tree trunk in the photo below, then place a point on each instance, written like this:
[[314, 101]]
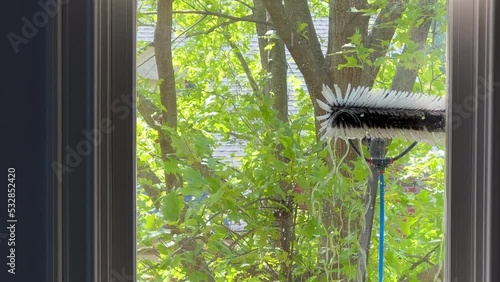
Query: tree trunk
[[279, 90], [304, 46], [163, 56], [402, 81], [370, 201], [166, 75], [274, 63]]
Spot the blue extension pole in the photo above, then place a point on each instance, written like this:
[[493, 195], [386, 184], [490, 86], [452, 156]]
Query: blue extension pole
[[381, 236], [381, 163]]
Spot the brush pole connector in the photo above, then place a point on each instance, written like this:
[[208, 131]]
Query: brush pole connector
[[381, 163]]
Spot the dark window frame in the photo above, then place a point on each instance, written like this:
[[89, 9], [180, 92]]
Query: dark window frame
[[472, 156], [94, 206]]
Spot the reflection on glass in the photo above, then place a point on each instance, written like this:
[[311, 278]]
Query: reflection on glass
[[236, 181]]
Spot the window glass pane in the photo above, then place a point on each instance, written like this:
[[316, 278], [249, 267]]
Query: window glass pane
[[243, 175]]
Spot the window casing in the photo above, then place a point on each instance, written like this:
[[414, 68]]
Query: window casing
[[94, 234]]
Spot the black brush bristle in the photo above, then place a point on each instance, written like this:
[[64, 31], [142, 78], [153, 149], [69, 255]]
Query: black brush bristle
[[363, 112]]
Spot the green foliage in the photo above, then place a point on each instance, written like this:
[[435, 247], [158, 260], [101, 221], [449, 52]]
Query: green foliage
[[189, 240]]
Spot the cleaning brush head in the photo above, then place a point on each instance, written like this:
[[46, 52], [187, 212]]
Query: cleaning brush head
[[365, 112]]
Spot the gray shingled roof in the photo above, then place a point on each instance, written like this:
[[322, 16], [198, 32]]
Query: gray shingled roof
[[228, 151]]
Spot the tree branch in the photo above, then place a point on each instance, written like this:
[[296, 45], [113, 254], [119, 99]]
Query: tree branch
[[245, 4], [301, 46], [147, 109], [144, 171], [424, 258], [260, 14], [244, 64], [404, 77], [299, 11], [429, 272], [380, 37], [248, 18], [212, 29]]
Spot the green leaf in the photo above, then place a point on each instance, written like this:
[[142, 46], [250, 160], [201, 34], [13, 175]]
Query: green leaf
[[150, 220], [351, 62], [197, 276], [172, 206], [269, 46]]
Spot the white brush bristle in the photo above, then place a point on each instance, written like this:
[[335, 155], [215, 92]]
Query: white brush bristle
[[364, 97]]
